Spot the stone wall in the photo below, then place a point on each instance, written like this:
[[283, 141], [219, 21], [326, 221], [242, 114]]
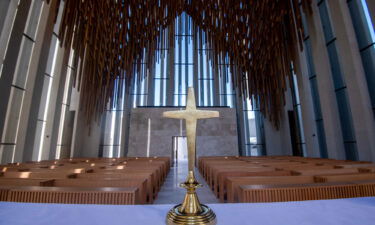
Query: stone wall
[[217, 136]]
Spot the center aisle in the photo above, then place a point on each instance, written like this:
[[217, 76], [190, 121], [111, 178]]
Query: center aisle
[[172, 193]]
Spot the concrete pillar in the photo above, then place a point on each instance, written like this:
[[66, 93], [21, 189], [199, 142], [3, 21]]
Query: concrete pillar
[[307, 108], [151, 87], [240, 123], [170, 88], [195, 67], [216, 91], [245, 114], [334, 140], [126, 123], [60, 122], [8, 10], [362, 115], [31, 127], [10, 54]]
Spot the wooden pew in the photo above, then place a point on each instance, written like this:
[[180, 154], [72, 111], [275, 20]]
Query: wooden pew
[[323, 171], [221, 192], [25, 182], [151, 184], [345, 177], [71, 195], [140, 183], [215, 172], [220, 174], [155, 177], [40, 175], [356, 165], [233, 183], [4, 193], [303, 192]]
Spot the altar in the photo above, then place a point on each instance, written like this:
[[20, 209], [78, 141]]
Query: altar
[[352, 211]]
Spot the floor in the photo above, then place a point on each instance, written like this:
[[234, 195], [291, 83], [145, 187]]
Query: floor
[[172, 193]]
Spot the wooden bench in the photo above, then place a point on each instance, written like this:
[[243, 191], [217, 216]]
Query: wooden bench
[[69, 195], [41, 175], [223, 176], [220, 175], [356, 165], [141, 184], [215, 172], [303, 192], [156, 178], [25, 182], [232, 183], [345, 177], [322, 171], [151, 183]]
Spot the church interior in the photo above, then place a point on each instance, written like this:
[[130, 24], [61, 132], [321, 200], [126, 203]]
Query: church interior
[[267, 107]]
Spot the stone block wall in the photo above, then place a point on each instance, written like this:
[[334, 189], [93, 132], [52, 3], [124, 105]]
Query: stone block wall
[[215, 137]]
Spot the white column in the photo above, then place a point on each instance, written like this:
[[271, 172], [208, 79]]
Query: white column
[[358, 96], [8, 11], [307, 108], [30, 128], [335, 144], [10, 52]]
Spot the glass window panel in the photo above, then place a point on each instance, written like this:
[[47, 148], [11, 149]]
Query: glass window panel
[[158, 72], [206, 85], [309, 58], [326, 22], [368, 59], [351, 151], [304, 24], [315, 98], [157, 83], [338, 81], [183, 100], [345, 115], [252, 131], [321, 139], [190, 49]]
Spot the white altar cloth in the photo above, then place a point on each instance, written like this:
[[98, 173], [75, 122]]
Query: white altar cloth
[[355, 211]]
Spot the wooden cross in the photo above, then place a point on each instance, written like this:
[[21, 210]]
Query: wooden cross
[[191, 115]]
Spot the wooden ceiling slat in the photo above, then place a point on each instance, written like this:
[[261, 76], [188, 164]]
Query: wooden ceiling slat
[[110, 37]]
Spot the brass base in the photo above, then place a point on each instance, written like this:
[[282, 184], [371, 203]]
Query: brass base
[[205, 217]]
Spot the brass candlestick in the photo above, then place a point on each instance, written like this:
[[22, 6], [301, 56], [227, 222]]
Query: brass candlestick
[[191, 211]]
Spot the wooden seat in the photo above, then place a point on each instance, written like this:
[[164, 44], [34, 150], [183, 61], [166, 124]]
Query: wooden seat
[[25, 182], [322, 171], [69, 195], [232, 183], [221, 191], [293, 192], [152, 186], [346, 177], [145, 174], [141, 184], [48, 174]]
